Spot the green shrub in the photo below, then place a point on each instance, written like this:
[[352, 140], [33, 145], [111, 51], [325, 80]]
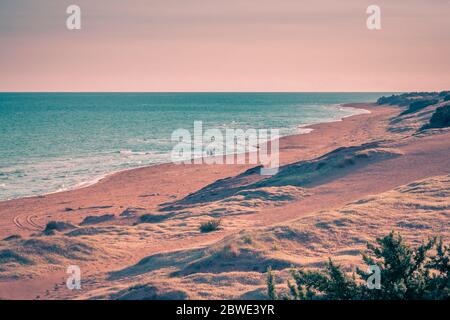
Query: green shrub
[[271, 285], [419, 105], [406, 273], [440, 118], [247, 239], [210, 226]]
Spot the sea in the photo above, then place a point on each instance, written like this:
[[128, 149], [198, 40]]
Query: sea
[[51, 142]]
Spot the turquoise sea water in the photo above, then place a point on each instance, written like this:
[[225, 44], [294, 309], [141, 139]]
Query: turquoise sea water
[[56, 141]]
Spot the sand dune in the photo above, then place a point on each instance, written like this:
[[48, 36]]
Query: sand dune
[[136, 234], [418, 210], [26, 257]]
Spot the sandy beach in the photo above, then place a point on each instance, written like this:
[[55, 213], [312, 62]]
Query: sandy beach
[[240, 158], [151, 186], [367, 160]]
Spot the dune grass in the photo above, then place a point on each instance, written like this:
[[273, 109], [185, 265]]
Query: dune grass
[[210, 226]]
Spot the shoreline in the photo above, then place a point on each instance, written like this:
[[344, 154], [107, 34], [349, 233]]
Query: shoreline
[[149, 187], [181, 197], [340, 186], [93, 181]]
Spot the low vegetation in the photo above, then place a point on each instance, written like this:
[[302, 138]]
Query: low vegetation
[[405, 99], [440, 118], [406, 273], [419, 105], [415, 101], [152, 218], [34, 256], [210, 226], [97, 219], [53, 226]]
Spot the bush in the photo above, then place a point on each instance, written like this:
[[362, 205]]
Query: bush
[[210, 226], [271, 285], [57, 226], [419, 105], [440, 118], [405, 99], [406, 273], [401, 100]]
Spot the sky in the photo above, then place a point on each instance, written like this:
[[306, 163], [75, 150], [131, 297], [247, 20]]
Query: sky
[[218, 45]]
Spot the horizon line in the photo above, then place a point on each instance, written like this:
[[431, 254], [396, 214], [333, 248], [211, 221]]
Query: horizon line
[[386, 91]]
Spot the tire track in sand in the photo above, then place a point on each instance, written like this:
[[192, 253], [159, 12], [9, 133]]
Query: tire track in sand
[[30, 221], [32, 226]]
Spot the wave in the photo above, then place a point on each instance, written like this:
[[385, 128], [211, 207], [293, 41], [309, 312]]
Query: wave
[[79, 171]]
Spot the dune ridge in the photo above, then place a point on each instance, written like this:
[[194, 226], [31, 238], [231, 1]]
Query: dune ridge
[[136, 234]]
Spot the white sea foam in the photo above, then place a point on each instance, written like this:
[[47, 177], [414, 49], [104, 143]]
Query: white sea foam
[[33, 174]]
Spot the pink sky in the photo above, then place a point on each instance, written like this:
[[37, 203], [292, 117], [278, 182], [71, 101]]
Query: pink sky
[[217, 45]]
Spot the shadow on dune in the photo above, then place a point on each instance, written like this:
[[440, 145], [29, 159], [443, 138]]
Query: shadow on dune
[[158, 261], [23, 257], [225, 258], [217, 190], [242, 252], [309, 173], [148, 292]]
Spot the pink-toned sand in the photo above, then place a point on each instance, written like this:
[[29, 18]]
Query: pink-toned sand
[[149, 187]]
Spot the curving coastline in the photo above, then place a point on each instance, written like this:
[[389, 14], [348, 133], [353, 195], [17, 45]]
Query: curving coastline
[[300, 129]]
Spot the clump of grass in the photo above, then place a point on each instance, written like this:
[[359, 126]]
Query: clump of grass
[[53, 226], [210, 226], [152, 218], [247, 239], [97, 219], [10, 256], [440, 118]]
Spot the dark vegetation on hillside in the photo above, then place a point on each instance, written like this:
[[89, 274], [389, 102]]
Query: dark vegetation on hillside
[[97, 219], [406, 273], [416, 101], [405, 99], [440, 118], [419, 105]]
